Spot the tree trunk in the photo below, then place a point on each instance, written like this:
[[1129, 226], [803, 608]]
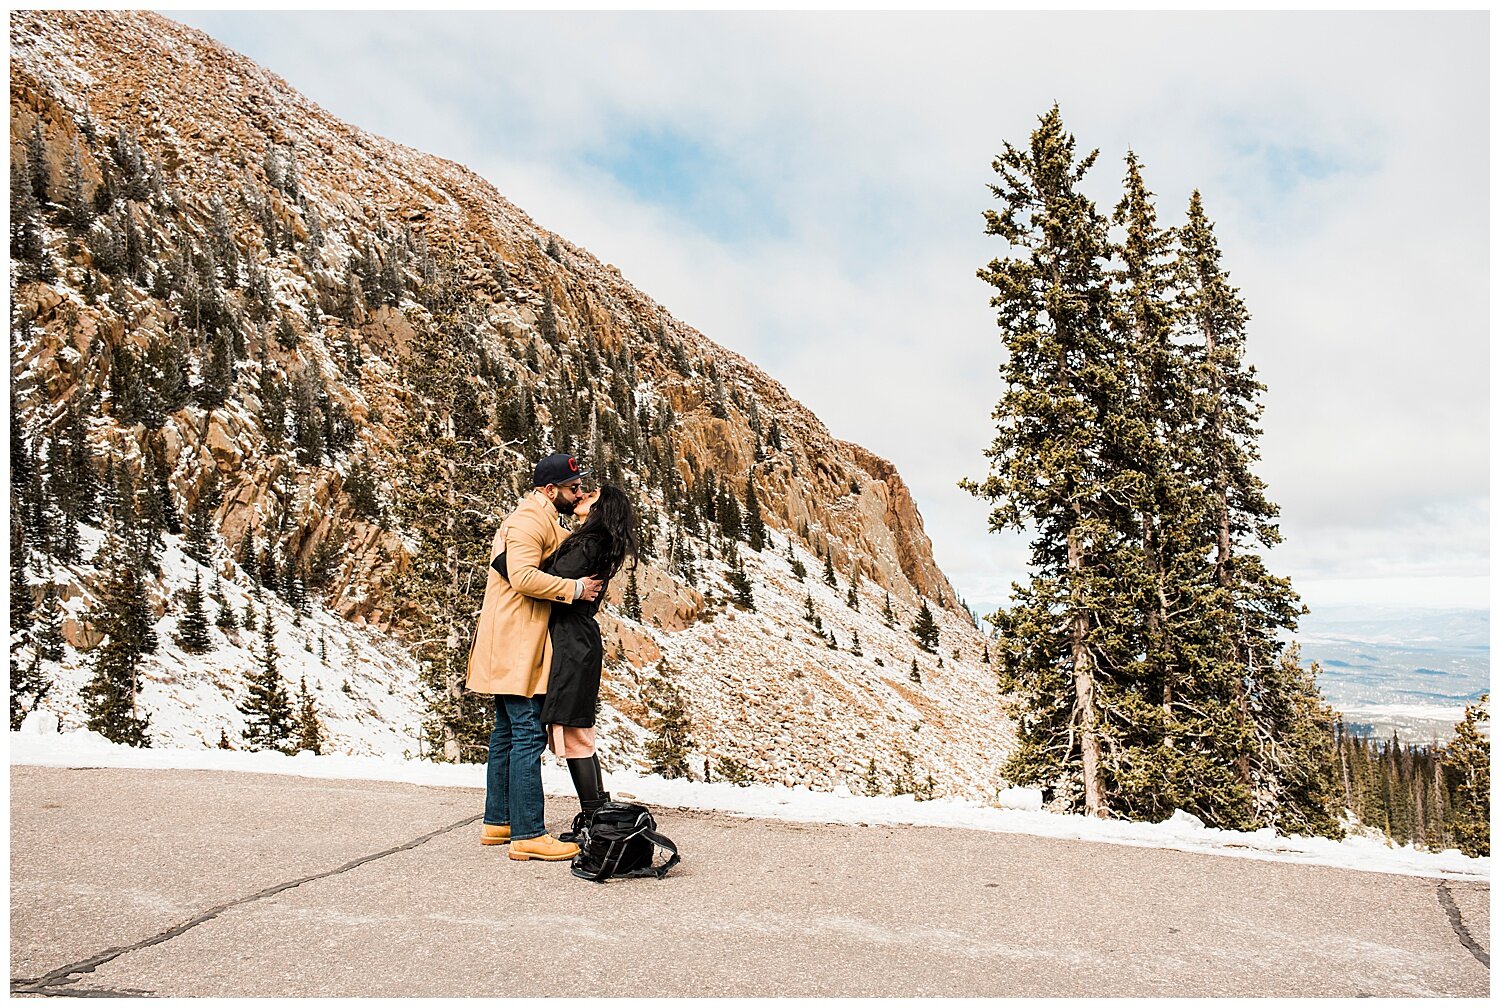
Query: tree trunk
[[1221, 561], [1156, 622], [1085, 713]]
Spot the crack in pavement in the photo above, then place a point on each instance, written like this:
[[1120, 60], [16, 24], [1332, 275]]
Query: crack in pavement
[[1445, 897], [71, 973]]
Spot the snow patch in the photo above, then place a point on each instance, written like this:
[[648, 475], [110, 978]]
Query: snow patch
[[35, 746]]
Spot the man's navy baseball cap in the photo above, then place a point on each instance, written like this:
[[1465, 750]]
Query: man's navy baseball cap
[[558, 469]]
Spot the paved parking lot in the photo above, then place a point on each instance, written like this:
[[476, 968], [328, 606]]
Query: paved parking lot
[[199, 883]]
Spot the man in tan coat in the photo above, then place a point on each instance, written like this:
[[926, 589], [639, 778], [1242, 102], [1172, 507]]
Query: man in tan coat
[[512, 655]]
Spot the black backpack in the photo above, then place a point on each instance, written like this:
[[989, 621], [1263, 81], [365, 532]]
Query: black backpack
[[620, 841]]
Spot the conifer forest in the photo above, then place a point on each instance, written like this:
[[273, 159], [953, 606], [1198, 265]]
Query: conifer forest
[[1145, 656]]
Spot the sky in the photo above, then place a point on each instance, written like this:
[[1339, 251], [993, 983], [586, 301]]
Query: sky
[[807, 190]]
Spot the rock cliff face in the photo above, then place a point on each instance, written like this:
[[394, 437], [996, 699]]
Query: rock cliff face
[[232, 217]]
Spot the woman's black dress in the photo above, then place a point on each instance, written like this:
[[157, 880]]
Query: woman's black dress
[[577, 650]]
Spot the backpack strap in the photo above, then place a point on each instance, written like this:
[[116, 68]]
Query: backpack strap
[[666, 845], [610, 862]]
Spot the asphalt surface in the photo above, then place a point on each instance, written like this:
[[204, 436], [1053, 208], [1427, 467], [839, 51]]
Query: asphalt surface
[[201, 883]]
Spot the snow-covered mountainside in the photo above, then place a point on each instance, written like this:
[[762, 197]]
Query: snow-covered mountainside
[[348, 355]]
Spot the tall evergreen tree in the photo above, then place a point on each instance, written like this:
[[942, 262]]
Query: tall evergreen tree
[[79, 209], [755, 526], [217, 371], [1049, 471], [28, 243], [925, 629], [1249, 610], [1145, 679], [82, 477], [49, 634], [1171, 745], [36, 162], [1469, 758], [122, 614], [744, 595], [193, 633], [267, 709], [728, 509], [668, 748], [224, 617], [442, 494], [309, 727], [631, 604], [198, 543]]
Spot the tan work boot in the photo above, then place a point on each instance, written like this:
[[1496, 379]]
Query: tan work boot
[[494, 835], [542, 848]]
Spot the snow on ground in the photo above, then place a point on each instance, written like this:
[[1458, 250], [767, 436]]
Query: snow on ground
[[364, 682], [39, 744]]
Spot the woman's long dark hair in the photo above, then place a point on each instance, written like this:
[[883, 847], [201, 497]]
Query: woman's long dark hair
[[611, 521]]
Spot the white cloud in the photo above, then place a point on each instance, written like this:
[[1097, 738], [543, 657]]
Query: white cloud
[[1343, 157]]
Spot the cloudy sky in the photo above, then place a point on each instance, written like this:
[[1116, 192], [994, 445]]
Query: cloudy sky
[[807, 190]]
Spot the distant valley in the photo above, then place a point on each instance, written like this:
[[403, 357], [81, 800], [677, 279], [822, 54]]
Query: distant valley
[[1399, 670]]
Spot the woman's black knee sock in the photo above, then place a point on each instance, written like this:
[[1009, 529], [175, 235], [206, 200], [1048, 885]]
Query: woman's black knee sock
[[588, 781]]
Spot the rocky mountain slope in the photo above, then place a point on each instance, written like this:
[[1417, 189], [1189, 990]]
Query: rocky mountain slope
[[349, 353]]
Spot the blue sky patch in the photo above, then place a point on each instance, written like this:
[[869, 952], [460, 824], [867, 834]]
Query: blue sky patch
[[669, 169]]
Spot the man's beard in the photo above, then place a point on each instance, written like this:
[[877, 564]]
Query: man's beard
[[564, 507]]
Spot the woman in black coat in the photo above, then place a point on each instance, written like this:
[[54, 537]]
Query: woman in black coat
[[598, 549]]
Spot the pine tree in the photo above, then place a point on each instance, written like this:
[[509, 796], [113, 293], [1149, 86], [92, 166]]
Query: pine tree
[[267, 709], [1150, 775], [1296, 735], [1468, 757], [630, 605], [828, 576], [872, 782], [79, 210], [82, 478], [729, 516], [548, 322], [906, 778], [49, 635], [434, 480], [888, 614], [36, 162], [925, 629], [667, 749], [755, 526], [811, 614], [1049, 471], [224, 617], [855, 648], [217, 372], [744, 596], [122, 615], [28, 686], [915, 675], [200, 526], [28, 243], [193, 634], [1249, 610], [309, 727]]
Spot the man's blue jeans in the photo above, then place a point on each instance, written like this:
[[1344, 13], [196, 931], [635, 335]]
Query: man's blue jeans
[[513, 782]]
